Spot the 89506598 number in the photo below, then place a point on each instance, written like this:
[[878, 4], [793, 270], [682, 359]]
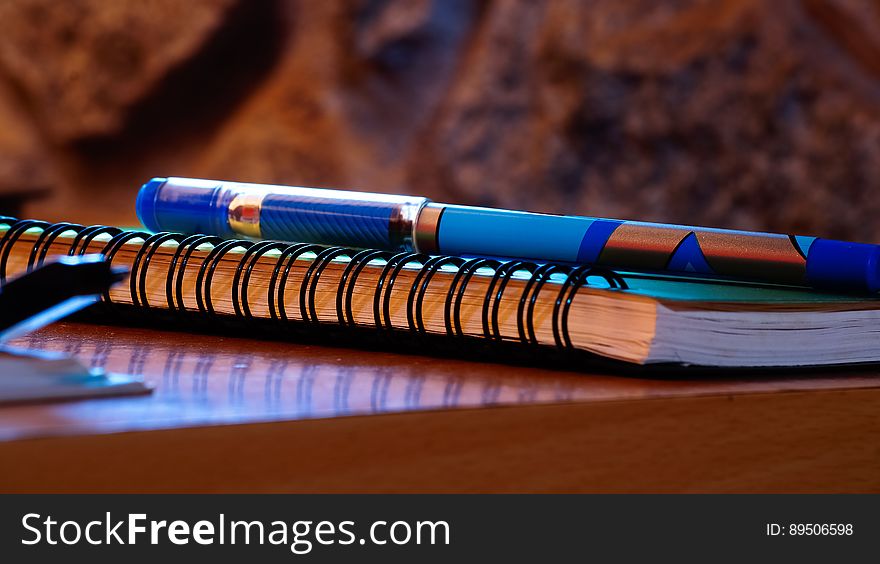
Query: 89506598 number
[[823, 529]]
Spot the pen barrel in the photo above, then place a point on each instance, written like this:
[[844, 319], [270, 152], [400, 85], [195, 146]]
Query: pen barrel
[[284, 213], [641, 246]]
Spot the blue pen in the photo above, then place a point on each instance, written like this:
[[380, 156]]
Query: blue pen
[[392, 222]]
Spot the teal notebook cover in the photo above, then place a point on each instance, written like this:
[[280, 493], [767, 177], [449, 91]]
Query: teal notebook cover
[[693, 289]]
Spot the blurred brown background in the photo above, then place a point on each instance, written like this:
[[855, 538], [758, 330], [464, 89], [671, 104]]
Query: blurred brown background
[[739, 113]]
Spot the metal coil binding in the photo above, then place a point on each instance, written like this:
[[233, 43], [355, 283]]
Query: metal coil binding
[[242, 278], [392, 267], [307, 309], [84, 238], [9, 238], [416, 297], [207, 269], [177, 266], [137, 279], [112, 247], [576, 277], [505, 273], [345, 290], [526, 323], [288, 258], [44, 241], [459, 285]]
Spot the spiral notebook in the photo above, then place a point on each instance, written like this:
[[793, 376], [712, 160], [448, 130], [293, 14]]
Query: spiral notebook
[[630, 317]]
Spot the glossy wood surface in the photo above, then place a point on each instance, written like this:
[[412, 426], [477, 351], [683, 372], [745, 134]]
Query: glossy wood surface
[[238, 414], [209, 380]]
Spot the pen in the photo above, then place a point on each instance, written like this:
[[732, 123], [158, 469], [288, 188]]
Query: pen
[[405, 223]]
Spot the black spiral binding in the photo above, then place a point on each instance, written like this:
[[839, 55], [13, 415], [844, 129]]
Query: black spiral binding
[[420, 287], [576, 277], [50, 233], [177, 266], [505, 273], [112, 247], [309, 283], [15, 231], [85, 236], [354, 269], [288, 258], [44, 241], [242, 277], [457, 289], [207, 269], [392, 268], [533, 287], [138, 277]]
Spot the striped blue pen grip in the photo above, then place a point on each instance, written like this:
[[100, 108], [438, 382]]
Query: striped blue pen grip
[[327, 222]]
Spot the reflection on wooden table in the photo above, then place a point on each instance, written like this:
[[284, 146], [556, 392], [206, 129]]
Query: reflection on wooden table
[[204, 379]]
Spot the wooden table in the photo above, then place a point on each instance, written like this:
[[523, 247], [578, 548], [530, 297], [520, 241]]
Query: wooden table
[[243, 415]]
